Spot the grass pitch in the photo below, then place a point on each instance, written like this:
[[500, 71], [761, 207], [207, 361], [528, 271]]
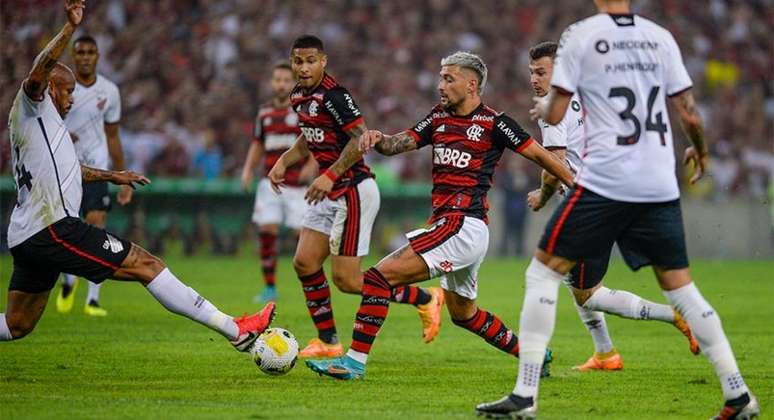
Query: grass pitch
[[143, 362]]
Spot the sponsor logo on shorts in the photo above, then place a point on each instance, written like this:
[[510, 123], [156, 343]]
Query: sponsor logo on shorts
[[114, 245], [446, 266], [547, 301]]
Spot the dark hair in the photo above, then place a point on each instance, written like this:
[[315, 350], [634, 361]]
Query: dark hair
[[308, 41], [284, 65], [85, 38], [544, 49]]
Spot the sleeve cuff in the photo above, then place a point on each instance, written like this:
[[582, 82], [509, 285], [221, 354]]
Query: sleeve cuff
[[679, 91], [351, 124], [524, 145]]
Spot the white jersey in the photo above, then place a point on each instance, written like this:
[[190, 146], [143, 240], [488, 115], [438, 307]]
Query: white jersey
[[45, 166], [623, 67], [93, 106], [568, 134]]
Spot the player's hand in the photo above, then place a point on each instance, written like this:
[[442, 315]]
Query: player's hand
[[124, 195], [368, 140], [74, 9], [129, 178], [540, 108], [535, 200], [319, 189], [277, 176], [247, 180], [700, 163]]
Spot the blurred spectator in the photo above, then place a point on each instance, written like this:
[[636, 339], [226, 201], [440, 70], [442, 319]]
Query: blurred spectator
[[185, 67]]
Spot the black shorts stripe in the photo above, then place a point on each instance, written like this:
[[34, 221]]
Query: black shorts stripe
[[350, 235], [432, 239], [56, 170]]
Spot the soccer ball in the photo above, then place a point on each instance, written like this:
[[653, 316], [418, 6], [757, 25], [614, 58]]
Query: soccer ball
[[275, 351]]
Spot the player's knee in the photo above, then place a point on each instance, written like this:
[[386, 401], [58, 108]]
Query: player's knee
[[304, 266], [149, 266], [20, 326], [348, 282]]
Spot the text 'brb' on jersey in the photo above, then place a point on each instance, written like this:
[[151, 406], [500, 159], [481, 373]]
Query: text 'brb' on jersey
[[45, 167], [325, 114], [466, 151], [623, 67], [277, 129]]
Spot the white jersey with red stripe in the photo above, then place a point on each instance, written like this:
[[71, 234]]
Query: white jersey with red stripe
[[93, 107], [45, 166], [568, 134], [623, 67]]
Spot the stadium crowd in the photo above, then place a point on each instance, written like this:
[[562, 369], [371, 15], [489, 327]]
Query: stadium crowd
[[192, 72]]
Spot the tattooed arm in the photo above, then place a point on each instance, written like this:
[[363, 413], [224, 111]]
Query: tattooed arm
[[89, 174], [351, 153], [694, 128], [395, 144], [36, 81], [323, 184]]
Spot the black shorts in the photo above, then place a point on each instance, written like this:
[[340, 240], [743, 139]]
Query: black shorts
[[95, 197], [69, 246], [589, 272], [585, 226]]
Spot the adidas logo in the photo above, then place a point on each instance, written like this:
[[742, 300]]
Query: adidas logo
[[441, 128]]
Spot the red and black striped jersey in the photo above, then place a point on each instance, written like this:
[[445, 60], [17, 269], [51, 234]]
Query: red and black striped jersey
[[277, 129], [466, 150], [325, 114]]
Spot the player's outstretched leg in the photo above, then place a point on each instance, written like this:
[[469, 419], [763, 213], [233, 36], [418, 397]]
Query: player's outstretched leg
[[628, 305], [66, 296], [268, 246], [401, 267], [348, 278], [683, 294], [178, 298], [466, 314]]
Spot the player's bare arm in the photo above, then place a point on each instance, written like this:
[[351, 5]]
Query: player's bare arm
[[387, 144], [44, 63], [549, 184], [291, 156], [351, 154], [254, 154], [698, 155], [552, 107], [117, 157], [129, 178], [549, 162]]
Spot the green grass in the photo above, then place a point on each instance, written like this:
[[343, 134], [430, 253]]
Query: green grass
[[142, 362]]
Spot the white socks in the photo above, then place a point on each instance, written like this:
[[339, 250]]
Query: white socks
[[356, 355], [595, 323], [5, 333], [706, 327], [536, 325], [183, 300], [628, 305], [93, 292]]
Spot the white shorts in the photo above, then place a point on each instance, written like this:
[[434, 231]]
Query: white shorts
[[453, 248], [270, 206], [348, 220]]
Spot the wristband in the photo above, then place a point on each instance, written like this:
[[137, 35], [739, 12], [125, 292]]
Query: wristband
[[330, 175]]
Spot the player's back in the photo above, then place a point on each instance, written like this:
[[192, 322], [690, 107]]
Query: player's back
[[93, 106], [46, 169], [623, 67]]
